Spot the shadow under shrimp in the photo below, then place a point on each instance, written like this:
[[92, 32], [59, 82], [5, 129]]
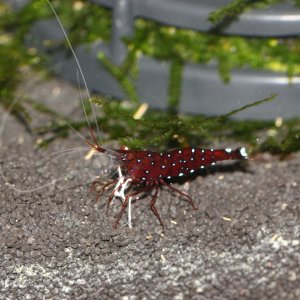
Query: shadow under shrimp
[[226, 168]]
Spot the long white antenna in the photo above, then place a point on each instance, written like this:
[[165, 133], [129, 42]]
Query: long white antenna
[[79, 67]]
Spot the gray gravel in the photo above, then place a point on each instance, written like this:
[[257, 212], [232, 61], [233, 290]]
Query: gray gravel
[[58, 243]]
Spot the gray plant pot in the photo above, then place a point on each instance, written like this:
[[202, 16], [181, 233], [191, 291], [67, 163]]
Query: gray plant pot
[[203, 91]]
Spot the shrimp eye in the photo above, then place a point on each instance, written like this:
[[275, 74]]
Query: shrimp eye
[[129, 156]]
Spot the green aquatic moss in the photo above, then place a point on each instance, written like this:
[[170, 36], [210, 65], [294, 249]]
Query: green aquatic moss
[[164, 130], [175, 78], [231, 11], [121, 73]]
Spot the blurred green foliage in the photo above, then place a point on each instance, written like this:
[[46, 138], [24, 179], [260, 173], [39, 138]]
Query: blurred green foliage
[[274, 54], [232, 10], [13, 57], [87, 22]]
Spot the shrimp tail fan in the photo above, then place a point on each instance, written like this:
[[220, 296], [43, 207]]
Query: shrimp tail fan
[[225, 154]]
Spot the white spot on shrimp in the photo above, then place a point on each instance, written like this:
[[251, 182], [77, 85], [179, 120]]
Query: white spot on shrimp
[[203, 158], [184, 161], [192, 158], [147, 171], [203, 151], [163, 167], [169, 155], [179, 151], [243, 152], [143, 178], [139, 160], [152, 163], [149, 154], [192, 171], [169, 177], [212, 150], [228, 150], [202, 167], [173, 164], [181, 174], [160, 176], [213, 163], [193, 150]]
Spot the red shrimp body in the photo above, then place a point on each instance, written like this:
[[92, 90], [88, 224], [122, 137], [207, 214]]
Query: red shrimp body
[[152, 166], [148, 170]]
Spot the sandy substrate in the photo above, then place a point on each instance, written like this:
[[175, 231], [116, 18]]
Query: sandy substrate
[[242, 243]]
